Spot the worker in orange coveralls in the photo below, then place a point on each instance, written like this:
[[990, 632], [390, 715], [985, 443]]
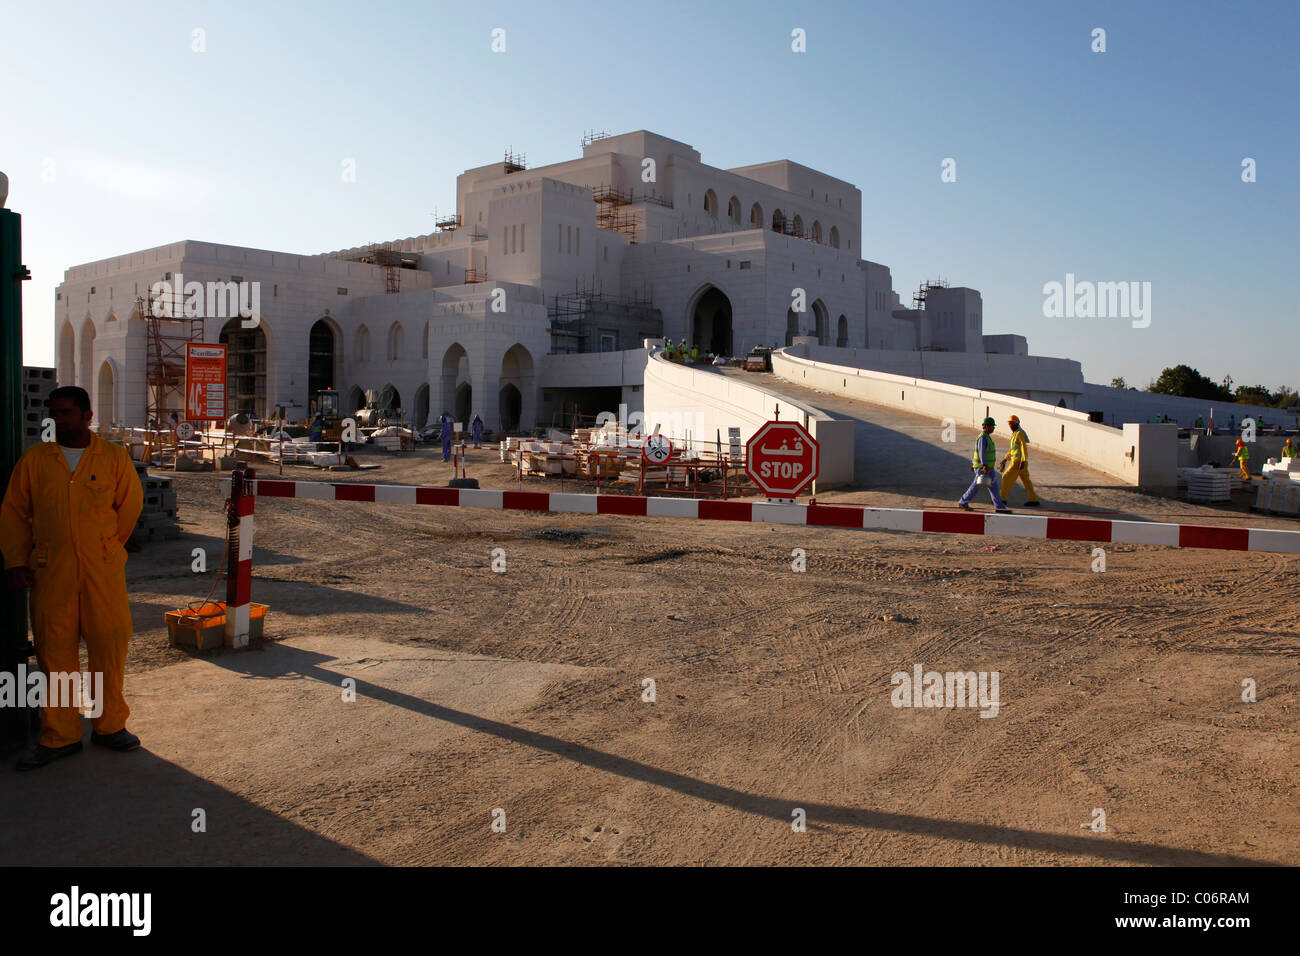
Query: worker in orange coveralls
[[67, 514]]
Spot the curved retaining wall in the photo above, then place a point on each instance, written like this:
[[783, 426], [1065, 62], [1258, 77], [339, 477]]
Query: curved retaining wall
[[681, 398], [1145, 455]]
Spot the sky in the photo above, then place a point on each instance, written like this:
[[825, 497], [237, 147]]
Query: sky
[[127, 126]]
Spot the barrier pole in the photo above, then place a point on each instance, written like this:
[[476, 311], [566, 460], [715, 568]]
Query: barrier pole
[[239, 557]]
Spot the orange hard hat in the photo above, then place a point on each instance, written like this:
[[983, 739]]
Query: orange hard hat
[[1014, 418], [1240, 442]]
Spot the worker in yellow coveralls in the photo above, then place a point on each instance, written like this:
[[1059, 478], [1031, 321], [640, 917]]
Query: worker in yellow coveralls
[[1016, 463], [1242, 455], [69, 509]]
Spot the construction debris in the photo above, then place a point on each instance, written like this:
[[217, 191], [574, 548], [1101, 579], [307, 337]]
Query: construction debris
[[158, 518]]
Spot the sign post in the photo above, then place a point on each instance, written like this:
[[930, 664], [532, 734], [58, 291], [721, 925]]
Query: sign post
[[205, 382], [781, 459]]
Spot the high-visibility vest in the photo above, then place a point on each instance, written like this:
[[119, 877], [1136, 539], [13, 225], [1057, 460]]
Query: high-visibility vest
[[1288, 450], [1018, 453], [984, 447], [1243, 453]]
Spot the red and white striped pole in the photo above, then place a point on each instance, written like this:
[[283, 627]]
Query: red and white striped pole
[[239, 557]]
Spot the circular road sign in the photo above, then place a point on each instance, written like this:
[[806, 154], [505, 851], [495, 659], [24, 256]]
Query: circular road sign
[[657, 449], [184, 431], [781, 459]]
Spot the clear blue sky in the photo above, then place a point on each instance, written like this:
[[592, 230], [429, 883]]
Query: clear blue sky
[[1117, 166]]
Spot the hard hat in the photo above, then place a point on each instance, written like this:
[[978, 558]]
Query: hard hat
[[1240, 442], [1015, 419], [990, 421]]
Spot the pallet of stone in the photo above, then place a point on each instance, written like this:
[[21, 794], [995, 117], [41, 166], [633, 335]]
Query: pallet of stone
[[1209, 486]]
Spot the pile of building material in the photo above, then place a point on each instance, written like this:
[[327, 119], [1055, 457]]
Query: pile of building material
[[1233, 475], [394, 438], [1279, 492], [158, 519], [1209, 484]]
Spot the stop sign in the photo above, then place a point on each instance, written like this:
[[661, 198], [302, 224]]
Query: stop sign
[[781, 459]]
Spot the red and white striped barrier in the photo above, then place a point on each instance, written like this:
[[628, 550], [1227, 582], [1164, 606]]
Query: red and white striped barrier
[[809, 515], [239, 559]]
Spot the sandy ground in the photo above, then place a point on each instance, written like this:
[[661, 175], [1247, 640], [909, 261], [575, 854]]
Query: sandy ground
[[522, 692]]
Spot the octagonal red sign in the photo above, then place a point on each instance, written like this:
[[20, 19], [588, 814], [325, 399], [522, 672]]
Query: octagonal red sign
[[781, 458]]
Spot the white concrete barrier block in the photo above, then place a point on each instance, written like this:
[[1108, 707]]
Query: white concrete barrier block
[[395, 494], [893, 519], [573, 503], [1268, 539], [480, 498], [1020, 526], [672, 508], [1144, 532], [779, 514]]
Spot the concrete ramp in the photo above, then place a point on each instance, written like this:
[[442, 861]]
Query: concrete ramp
[[903, 453], [704, 402]]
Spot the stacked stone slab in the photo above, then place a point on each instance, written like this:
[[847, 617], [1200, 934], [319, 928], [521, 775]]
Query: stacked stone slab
[[158, 518], [37, 385]]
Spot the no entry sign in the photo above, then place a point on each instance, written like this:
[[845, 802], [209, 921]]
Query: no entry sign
[[781, 459], [205, 382]]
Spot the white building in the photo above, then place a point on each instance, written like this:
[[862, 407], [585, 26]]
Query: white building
[[636, 239]]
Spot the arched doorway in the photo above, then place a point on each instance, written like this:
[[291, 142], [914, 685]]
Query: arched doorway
[[66, 373], [420, 417], [463, 410], [756, 216], [246, 363], [322, 359], [822, 322], [710, 322], [791, 326], [356, 400], [842, 333], [85, 374], [778, 221], [105, 407], [516, 389], [455, 373], [512, 407]]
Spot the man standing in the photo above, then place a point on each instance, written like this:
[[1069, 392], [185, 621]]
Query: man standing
[[477, 428], [1018, 467], [1242, 454], [445, 434], [69, 510], [982, 461], [1288, 449]]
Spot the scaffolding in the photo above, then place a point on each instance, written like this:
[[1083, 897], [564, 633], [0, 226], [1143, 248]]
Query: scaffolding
[[574, 316], [390, 262], [612, 211], [447, 223], [592, 136], [169, 328], [514, 162], [919, 296], [473, 276]]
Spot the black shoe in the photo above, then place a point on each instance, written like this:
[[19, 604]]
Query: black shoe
[[122, 740], [963, 507], [1003, 511], [40, 755]]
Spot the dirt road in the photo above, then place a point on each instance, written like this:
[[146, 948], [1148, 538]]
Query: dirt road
[[521, 696]]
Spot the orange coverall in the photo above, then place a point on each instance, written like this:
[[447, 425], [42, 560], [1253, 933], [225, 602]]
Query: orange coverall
[[70, 530]]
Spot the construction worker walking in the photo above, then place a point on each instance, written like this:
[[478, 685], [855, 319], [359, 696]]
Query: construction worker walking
[[69, 510], [982, 462], [1016, 464], [1242, 454], [477, 429], [444, 433]]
